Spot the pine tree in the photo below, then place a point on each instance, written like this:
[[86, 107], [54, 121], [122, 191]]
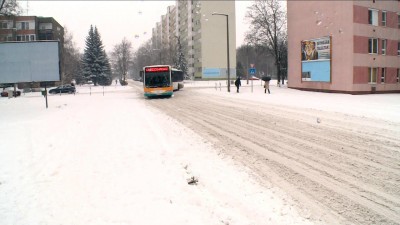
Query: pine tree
[[180, 60], [106, 77], [95, 63], [88, 56]]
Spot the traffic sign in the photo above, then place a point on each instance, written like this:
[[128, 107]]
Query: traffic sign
[[252, 71]]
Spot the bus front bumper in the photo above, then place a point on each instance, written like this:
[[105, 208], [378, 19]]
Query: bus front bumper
[[153, 94]]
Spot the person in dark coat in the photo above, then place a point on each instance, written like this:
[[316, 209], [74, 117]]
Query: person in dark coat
[[238, 84]]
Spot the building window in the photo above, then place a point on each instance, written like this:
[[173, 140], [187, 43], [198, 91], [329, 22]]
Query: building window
[[28, 37], [398, 75], [45, 26], [25, 26], [22, 25], [398, 48], [373, 46], [384, 18], [372, 75], [383, 75], [384, 41], [373, 17], [398, 20], [3, 25]]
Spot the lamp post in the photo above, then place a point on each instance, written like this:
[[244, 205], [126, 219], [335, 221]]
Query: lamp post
[[247, 61], [227, 46]]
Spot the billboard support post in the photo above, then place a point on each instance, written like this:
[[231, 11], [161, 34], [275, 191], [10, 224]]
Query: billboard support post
[[45, 94]]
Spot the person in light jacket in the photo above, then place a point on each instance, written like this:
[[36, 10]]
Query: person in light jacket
[[266, 87]]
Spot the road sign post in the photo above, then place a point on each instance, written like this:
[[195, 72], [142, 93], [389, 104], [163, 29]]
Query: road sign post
[[252, 72]]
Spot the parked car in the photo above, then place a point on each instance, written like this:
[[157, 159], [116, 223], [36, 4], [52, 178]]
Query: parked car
[[7, 90], [63, 89]]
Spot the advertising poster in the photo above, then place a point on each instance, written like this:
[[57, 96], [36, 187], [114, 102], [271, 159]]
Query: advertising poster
[[217, 73], [316, 59]]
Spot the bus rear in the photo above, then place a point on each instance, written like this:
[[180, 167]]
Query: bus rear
[[157, 81]]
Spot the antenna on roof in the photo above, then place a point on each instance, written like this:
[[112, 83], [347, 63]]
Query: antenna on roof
[[27, 7]]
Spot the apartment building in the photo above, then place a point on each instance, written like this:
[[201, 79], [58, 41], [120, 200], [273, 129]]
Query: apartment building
[[30, 28], [344, 46], [172, 25], [202, 35]]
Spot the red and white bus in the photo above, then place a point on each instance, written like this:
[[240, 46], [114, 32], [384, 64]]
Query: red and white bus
[[161, 80], [157, 81]]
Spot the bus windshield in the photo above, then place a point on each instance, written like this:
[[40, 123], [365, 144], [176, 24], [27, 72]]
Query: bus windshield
[[157, 79]]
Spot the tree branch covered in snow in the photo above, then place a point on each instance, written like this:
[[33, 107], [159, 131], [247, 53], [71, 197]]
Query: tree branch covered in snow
[[10, 8]]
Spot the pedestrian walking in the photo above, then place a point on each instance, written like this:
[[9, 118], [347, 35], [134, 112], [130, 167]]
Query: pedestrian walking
[[238, 84], [266, 87]]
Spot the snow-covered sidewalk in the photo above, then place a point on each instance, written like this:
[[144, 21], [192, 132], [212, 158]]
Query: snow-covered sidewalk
[[378, 106]]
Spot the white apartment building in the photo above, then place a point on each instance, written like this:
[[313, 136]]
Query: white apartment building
[[202, 35]]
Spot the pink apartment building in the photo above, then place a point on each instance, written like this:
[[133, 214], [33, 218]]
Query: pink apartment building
[[344, 46]]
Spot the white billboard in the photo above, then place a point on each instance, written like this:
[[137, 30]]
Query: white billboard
[[29, 62]]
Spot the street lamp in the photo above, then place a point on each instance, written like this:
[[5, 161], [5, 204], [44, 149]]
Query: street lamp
[[227, 44], [160, 53], [247, 61]]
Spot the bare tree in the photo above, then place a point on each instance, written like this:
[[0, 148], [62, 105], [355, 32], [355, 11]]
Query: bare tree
[[180, 61], [259, 57], [71, 59], [268, 28], [1, 4], [121, 58], [145, 56], [10, 8]]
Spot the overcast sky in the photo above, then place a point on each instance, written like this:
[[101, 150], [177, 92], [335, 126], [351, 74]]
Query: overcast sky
[[115, 19]]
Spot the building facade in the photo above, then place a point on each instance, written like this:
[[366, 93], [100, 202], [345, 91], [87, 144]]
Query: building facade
[[202, 36], [30, 28], [344, 46]]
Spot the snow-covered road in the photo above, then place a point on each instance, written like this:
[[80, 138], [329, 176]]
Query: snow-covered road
[[339, 168]]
